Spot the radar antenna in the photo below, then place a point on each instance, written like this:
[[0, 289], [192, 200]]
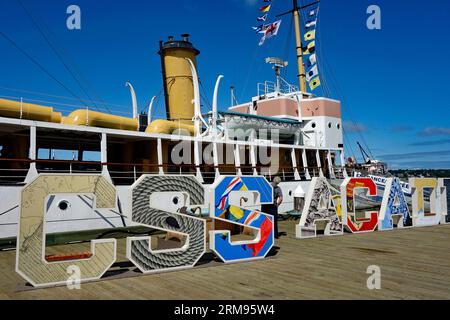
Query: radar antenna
[[278, 64]]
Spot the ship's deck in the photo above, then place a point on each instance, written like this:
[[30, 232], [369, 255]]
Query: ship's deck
[[415, 264]]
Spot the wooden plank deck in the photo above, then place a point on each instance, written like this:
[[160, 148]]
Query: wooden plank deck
[[415, 264]]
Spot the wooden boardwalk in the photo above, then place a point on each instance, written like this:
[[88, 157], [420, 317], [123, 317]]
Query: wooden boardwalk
[[415, 264]]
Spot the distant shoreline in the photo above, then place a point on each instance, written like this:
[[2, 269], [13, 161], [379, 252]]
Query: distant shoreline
[[435, 173]]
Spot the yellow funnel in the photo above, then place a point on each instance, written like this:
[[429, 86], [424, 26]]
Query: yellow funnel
[[177, 78]]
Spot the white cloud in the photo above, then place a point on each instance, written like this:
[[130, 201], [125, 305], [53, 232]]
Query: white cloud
[[352, 127], [435, 131]]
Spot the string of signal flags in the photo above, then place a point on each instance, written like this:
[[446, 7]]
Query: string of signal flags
[[269, 30]]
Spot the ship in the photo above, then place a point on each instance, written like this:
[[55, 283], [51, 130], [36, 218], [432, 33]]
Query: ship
[[284, 131]]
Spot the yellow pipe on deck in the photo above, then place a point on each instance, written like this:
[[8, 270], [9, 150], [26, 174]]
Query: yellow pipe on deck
[[22, 110], [90, 118], [170, 127]]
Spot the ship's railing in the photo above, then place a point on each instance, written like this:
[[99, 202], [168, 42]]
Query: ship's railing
[[270, 87], [128, 173], [338, 172], [64, 166], [16, 173]]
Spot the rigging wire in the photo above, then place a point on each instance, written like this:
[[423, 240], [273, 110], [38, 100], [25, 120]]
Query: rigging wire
[[324, 80], [56, 52], [54, 96], [358, 129], [349, 144], [204, 96], [41, 67], [157, 103], [335, 83], [249, 72], [288, 45], [326, 89], [60, 106]]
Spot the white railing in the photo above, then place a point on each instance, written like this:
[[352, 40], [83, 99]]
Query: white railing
[[269, 87]]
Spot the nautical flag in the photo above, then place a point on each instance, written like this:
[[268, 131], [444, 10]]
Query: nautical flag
[[270, 31], [310, 48], [314, 83], [312, 60], [313, 72], [259, 29], [312, 12], [265, 8], [310, 24], [236, 183], [263, 18], [310, 35]]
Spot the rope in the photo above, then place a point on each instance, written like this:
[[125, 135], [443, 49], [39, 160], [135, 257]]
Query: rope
[[144, 214]]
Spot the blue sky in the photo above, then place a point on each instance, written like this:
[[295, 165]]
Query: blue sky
[[393, 82]]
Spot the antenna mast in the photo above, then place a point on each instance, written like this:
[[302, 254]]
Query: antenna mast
[[278, 64]]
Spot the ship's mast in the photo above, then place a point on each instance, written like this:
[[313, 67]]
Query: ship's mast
[[298, 41]]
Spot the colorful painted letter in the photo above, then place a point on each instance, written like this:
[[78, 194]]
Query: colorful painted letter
[[394, 208], [157, 202], [31, 262], [350, 217], [319, 212], [425, 196], [228, 194]]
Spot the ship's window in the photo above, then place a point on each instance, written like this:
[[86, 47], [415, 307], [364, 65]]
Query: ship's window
[[57, 154], [329, 125], [63, 205], [313, 125], [338, 126], [92, 156]]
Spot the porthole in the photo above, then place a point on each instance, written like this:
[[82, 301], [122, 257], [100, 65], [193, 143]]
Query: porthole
[[338, 126], [329, 125], [63, 205], [313, 125]]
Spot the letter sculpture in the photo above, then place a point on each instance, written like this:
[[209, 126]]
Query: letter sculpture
[[152, 195], [353, 220], [31, 262], [394, 208], [228, 194], [319, 212]]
